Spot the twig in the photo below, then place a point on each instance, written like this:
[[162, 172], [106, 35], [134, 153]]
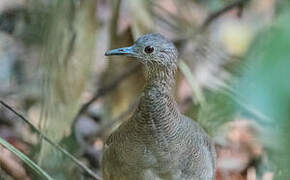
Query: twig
[[191, 80], [104, 90], [239, 3], [70, 156], [120, 118], [211, 17]]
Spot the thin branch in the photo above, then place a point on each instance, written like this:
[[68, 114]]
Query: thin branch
[[121, 118], [238, 4], [211, 17], [106, 89], [55, 145], [197, 92]]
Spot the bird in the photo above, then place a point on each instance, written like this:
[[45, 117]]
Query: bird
[[157, 142]]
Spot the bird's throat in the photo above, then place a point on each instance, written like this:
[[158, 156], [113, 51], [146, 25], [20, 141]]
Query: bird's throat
[[157, 109], [158, 78]]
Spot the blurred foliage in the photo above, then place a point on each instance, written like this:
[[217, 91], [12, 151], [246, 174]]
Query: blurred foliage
[[67, 32], [266, 86], [218, 109]]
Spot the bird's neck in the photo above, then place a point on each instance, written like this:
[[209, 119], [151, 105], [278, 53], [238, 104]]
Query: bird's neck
[[159, 78], [157, 111]]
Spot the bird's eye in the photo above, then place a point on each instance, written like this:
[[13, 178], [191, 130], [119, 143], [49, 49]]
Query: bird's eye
[[149, 49]]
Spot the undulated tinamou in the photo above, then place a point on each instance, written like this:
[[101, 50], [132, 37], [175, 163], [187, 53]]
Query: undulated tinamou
[[157, 142]]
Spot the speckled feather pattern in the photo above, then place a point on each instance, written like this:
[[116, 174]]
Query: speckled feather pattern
[[158, 142]]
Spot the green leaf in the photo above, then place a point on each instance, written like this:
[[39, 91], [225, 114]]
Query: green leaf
[[25, 159], [266, 86]]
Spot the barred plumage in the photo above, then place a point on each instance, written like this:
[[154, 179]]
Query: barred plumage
[[157, 142]]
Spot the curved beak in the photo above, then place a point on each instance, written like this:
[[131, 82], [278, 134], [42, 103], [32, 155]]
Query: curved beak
[[127, 51]]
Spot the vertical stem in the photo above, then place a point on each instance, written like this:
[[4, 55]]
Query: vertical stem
[[114, 22]]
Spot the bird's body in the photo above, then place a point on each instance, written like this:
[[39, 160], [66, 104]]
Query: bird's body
[[158, 142]]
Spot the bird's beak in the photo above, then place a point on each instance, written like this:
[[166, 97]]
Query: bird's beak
[[126, 51]]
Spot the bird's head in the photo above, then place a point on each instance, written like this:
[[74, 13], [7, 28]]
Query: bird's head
[[150, 49]]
